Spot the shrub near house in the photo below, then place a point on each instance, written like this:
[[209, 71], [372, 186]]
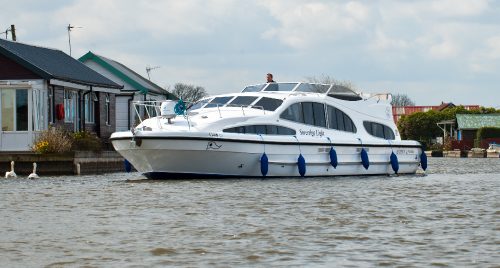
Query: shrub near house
[[58, 140]]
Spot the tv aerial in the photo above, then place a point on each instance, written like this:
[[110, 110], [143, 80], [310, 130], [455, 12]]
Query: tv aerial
[[149, 69]]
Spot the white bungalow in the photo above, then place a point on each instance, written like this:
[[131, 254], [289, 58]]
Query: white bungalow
[[42, 86]]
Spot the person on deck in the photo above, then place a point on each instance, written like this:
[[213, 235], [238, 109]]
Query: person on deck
[[270, 78]]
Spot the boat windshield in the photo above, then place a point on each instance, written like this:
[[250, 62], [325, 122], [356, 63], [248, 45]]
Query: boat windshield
[[218, 101], [242, 101], [316, 88], [198, 104], [280, 86], [254, 88], [343, 93]]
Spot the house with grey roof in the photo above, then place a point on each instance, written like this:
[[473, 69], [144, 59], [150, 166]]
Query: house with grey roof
[[135, 88], [40, 87]]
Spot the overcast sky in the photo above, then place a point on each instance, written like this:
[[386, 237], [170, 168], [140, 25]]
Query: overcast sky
[[431, 50]]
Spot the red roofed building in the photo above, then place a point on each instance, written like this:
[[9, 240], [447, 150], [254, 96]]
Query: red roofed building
[[399, 111]]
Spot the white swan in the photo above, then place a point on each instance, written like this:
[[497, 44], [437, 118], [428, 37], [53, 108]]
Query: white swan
[[33, 175], [11, 173]]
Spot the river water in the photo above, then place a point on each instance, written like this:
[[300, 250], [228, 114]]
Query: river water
[[449, 217]]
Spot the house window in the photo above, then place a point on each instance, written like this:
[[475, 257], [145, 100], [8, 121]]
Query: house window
[[14, 105], [51, 106], [69, 106], [38, 109], [89, 108], [107, 110]]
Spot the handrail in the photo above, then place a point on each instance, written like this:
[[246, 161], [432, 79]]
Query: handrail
[[156, 105]]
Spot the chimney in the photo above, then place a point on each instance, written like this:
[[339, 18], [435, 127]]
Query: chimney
[[13, 32]]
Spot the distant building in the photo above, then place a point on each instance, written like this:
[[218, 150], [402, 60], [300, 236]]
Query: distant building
[[399, 111], [467, 126], [43, 86], [135, 88]]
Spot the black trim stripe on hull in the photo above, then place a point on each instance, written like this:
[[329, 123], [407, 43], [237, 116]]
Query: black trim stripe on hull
[[269, 142], [159, 175]]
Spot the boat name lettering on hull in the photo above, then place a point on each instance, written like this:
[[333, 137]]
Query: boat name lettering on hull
[[213, 134], [312, 133]]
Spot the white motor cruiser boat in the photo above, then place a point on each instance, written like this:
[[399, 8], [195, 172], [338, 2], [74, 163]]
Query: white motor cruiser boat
[[270, 130]]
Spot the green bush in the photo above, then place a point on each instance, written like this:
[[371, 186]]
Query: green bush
[[86, 141]]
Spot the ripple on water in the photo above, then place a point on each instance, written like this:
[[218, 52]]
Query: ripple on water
[[447, 218]]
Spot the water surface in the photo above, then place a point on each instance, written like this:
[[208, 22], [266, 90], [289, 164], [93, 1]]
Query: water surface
[[450, 217]]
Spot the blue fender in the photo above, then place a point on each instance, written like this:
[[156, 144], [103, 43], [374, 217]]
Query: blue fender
[[394, 162], [301, 163], [264, 164], [333, 158], [128, 166], [423, 160], [364, 159]]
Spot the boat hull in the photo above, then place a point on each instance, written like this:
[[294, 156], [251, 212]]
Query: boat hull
[[180, 157]]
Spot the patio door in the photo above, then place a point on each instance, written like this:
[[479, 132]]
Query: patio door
[[14, 119]]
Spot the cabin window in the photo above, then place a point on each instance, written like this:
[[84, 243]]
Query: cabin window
[[14, 109], [280, 86], [242, 101], [254, 88], [309, 113], [319, 114], [261, 129], [315, 88], [379, 130], [198, 104], [268, 104], [293, 113], [218, 102], [339, 120]]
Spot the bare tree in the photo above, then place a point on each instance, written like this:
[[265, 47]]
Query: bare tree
[[326, 79], [189, 93], [401, 100]]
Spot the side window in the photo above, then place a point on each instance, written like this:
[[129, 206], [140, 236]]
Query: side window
[[310, 113], [307, 110], [261, 129], [379, 130], [319, 114], [389, 133], [339, 120], [293, 113]]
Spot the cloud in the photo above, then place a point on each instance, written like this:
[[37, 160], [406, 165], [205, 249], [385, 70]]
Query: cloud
[[309, 24], [447, 46]]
